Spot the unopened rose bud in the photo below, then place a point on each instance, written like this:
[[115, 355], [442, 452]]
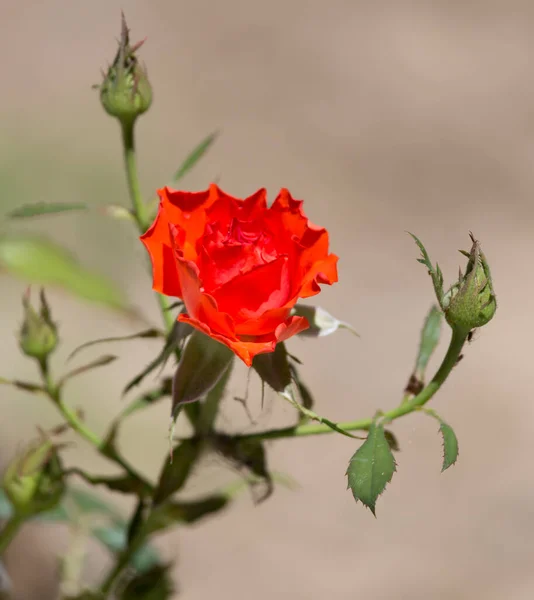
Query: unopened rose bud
[[471, 301], [38, 334], [125, 92], [33, 481]]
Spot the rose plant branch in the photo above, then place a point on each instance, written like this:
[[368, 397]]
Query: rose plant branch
[[239, 269], [408, 406]]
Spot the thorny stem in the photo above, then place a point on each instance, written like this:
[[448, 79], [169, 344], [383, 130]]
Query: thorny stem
[[406, 407]]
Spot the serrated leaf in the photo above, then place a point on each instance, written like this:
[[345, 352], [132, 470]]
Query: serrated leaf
[[175, 474], [44, 208], [173, 513], [203, 363], [101, 361], [450, 445], [40, 261], [371, 468], [321, 322], [146, 334], [429, 341], [196, 154]]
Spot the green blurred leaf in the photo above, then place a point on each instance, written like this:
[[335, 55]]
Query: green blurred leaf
[[429, 341], [175, 474], [59, 514], [321, 322], [114, 538], [154, 584], [87, 502], [195, 156], [177, 336], [23, 385], [117, 212], [371, 468], [101, 361], [248, 455], [42, 208], [146, 334], [39, 261], [169, 514], [450, 445], [204, 361], [391, 439], [6, 510], [125, 484]]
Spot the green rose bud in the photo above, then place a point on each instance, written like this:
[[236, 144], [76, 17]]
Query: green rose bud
[[38, 334], [471, 301], [125, 92], [33, 482]]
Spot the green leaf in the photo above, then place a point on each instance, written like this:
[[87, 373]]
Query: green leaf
[[101, 361], [114, 538], [59, 514], [42, 208], [154, 584], [195, 156], [117, 212], [429, 341], [23, 385], [371, 468], [321, 322], [175, 474], [146, 334], [39, 261], [450, 445], [87, 502], [204, 361], [6, 510], [434, 272], [172, 513], [125, 484]]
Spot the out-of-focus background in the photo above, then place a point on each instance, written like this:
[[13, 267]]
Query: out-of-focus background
[[384, 117]]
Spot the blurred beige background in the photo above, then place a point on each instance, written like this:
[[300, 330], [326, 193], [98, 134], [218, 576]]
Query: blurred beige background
[[384, 117]]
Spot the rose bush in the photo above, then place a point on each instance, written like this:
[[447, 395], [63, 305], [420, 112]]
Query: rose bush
[[238, 265]]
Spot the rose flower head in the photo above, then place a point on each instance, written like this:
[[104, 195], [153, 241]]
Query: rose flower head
[[238, 265]]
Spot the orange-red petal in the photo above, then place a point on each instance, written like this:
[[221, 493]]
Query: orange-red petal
[[158, 242]]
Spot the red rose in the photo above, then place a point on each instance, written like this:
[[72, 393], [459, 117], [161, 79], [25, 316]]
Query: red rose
[[238, 265]]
